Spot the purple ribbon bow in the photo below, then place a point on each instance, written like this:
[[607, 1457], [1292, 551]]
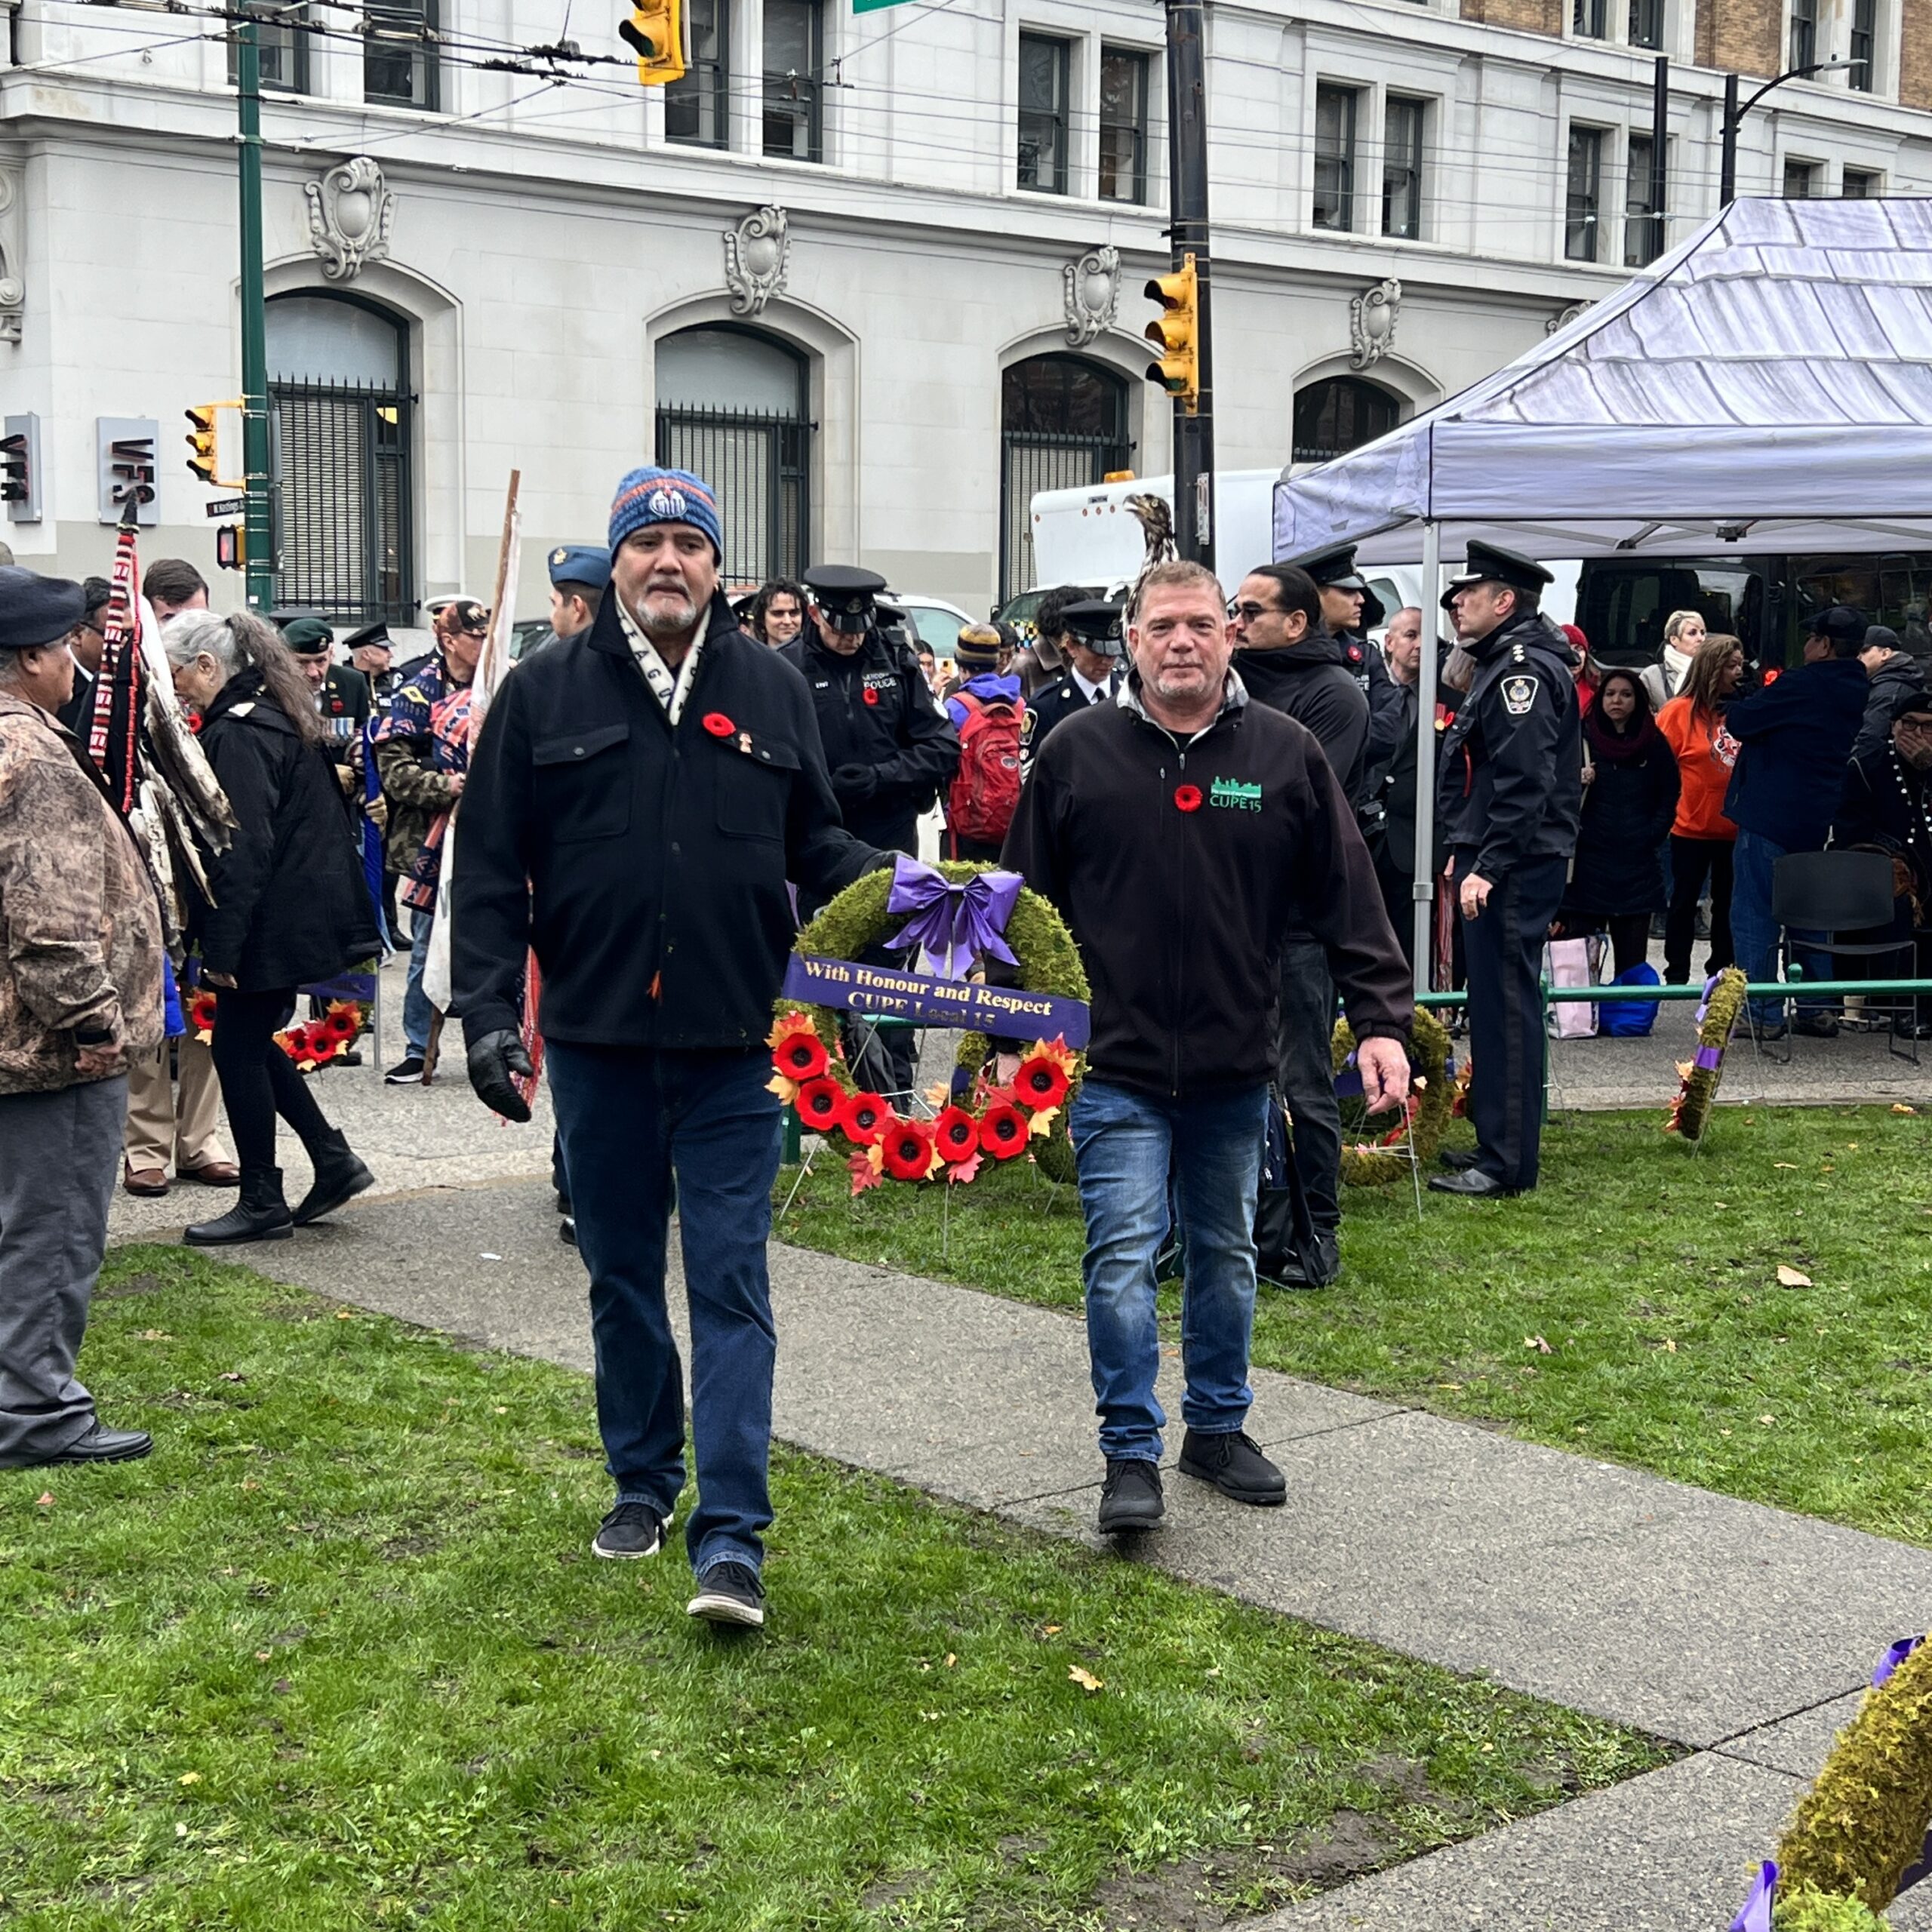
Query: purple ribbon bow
[[1756, 1916], [950, 923], [1892, 1658]]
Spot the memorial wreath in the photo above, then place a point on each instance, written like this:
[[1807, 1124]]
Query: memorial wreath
[[1424, 1115], [954, 913], [1698, 1078]]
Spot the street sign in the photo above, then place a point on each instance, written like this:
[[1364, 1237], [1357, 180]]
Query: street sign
[[229, 506]]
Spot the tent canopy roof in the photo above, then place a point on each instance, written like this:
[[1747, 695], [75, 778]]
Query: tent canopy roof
[[1765, 387]]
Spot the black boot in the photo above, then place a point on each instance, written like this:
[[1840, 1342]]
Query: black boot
[[339, 1177], [261, 1214]]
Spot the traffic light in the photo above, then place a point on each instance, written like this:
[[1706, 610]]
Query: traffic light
[[1177, 334], [655, 32], [214, 444], [231, 546]]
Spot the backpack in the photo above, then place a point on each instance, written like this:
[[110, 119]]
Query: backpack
[[985, 790]]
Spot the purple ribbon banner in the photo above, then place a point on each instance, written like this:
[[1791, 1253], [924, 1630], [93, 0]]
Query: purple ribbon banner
[[928, 999], [1756, 1916], [950, 923], [1709, 1058]]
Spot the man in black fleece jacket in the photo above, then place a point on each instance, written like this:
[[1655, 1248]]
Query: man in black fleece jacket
[[1288, 660], [1183, 831]]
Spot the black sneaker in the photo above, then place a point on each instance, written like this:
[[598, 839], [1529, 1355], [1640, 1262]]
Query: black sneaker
[[406, 1072], [1130, 1497], [631, 1530], [1233, 1463], [730, 1592]]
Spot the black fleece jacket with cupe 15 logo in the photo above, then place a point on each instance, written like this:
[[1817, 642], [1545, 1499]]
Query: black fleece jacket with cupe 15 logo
[[1181, 867]]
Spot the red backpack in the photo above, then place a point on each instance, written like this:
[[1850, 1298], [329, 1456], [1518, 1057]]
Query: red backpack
[[985, 789]]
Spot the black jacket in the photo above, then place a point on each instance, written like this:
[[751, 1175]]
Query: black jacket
[[1628, 805], [1900, 672], [1510, 774], [1316, 684], [1180, 869], [1888, 805], [1056, 703], [1385, 705], [1392, 787], [645, 865], [890, 747], [291, 905]]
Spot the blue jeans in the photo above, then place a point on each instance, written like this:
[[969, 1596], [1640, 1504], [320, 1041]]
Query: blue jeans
[[418, 1014], [634, 1124], [1124, 1142], [1754, 933]]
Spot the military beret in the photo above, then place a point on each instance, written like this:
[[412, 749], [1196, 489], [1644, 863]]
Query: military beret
[[36, 609], [585, 564], [844, 594], [308, 637]]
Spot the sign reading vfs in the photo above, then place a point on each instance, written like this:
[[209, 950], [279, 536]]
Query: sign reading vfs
[[125, 447]]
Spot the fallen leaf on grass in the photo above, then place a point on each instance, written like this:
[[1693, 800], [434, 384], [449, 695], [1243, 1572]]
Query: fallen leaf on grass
[[1050, 1630], [264, 1656], [1669, 1346], [1768, 1420], [349, 1315], [154, 1335], [44, 1500], [1085, 1679], [951, 1659], [1792, 1165], [1792, 1278], [190, 1777], [1537, 1342], [231, 1375], [1900, 1107]]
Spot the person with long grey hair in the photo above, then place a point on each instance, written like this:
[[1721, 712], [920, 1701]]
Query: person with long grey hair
[[290, 907]]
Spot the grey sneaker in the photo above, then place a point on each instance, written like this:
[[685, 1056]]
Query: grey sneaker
[[631, 1530], [730, 1592]]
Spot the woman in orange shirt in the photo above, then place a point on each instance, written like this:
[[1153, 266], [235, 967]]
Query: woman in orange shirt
[[1702, 837]]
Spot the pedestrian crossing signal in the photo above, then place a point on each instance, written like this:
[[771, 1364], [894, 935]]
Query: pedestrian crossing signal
[[1176, 334], [215, 444], [655, 32], [231, 547]]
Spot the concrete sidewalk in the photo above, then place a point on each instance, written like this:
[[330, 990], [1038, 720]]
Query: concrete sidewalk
[[1740, 1632]]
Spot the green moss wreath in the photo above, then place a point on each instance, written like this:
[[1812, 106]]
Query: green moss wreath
[[1049, 962], [1363, 1165], [1690, 1112]]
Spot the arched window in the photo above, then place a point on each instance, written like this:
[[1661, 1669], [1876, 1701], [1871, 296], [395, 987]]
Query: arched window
[[1340, 413], [733, 408], [1063, 425], [338, 456]]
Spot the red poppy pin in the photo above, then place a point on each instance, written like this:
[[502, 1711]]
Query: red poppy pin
[[717, 724], [872, 696], [1187, 798]]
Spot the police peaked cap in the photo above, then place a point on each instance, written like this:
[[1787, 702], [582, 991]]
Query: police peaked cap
[[1098, 624], [375, 634], [1333, 568], [1489, 563], [845, 594], [585, 564], [36, 609]]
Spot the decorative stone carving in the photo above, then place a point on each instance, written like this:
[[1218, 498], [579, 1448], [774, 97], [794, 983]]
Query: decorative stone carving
[[1564, 317], [758, 256], [1372, 319], [13, 289], [1091, 284], [350, 209]]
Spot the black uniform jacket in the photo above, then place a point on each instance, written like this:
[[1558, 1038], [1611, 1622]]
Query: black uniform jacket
[[1315, 682], [291, 905], [890, 747], [646, 866], [1888, 805], [1054, 704], [1510, 774], [1181, 867]]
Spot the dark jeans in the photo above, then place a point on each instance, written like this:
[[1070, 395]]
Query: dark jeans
[[1755, 929], [1304, 1026], [635, 1123], [1691, 859], [1504, 945], [258, 1080]]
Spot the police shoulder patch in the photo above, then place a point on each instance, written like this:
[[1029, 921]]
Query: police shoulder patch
[[1518, 694]]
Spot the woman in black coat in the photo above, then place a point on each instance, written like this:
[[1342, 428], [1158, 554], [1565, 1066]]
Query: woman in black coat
[[290, 907], [1630, 782]]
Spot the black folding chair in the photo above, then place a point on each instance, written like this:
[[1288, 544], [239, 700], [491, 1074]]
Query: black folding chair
[[1831, 893]]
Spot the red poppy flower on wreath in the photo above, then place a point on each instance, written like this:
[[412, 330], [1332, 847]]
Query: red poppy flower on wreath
[[872, 696], [820, 1103], [907, 1150], [1041, 1082], [1187, 798], [717, 724], [342, 1023], [863, 1119], [1003, 1130], [800, 1056], [956, 1134]]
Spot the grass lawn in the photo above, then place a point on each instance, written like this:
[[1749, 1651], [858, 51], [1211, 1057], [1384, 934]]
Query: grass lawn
[[1631, 1307], [337, 1657]]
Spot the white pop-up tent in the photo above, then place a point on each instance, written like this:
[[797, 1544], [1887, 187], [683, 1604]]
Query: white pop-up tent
[[1765, 387]]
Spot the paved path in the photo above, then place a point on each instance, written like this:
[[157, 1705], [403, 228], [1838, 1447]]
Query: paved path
[[1740, 1632]]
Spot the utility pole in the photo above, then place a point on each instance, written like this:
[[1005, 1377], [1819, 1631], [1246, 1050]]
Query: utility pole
[[1187, 211], [260, 578]]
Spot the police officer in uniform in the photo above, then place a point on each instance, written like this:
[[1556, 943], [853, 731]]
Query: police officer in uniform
[[372, 652], [1511, 795], [580, 573], [1349, 611], [891, 748], [1093, 637]]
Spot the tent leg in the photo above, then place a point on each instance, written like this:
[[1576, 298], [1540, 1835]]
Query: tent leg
[[1424, 886]]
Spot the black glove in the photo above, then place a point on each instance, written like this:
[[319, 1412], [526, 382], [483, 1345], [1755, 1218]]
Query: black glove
[[493, 1059], [855, 782]]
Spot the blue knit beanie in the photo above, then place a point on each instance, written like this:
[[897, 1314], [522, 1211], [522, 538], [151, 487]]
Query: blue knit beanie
[[664, 496]]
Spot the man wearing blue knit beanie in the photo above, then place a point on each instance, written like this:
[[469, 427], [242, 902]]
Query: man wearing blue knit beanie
[[639, 796]]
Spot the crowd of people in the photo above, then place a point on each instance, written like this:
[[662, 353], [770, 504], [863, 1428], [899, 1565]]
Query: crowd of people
[[1220, 797]]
